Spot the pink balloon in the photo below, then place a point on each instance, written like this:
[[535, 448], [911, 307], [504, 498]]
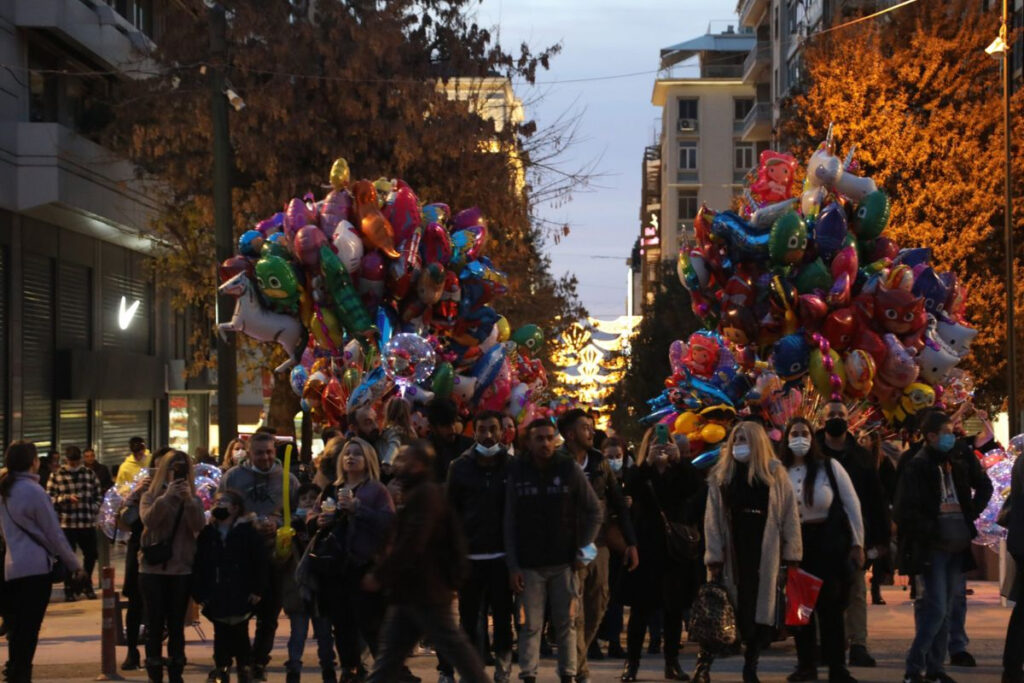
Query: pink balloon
[[296, 216], [308, 241], [335, 208], [845, 262]]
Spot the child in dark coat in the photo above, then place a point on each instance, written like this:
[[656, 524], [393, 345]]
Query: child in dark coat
[[231, 572]]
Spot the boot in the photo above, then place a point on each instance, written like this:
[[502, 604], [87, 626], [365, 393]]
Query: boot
[[327, 674], [630, 670], [175, 670], [132, 660], [876, 595], [155, 672], [702, 674], [673, 671], [750, 658], [243, 674]]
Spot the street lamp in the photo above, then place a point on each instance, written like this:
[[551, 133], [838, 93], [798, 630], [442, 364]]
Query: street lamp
[[999, 48]]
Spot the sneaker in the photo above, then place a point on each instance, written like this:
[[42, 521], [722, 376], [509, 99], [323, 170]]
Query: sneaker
[[940, 677], [89, 593], [69, 596], [914, 678], [964, 658], [859, 657], [840, 676], [293, 677], [801, 675]]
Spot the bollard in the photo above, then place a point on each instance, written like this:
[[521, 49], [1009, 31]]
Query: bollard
[[108, 652]]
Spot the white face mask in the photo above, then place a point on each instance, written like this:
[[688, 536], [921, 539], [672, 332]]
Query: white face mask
[[238, 456], [799, 445], [488, 451], [741, 452]]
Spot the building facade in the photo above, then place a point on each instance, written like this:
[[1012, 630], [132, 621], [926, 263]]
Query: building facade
[[87, 341]]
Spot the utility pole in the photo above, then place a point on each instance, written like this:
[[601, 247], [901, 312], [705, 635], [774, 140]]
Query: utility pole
[[1012, 409], [227, 369]]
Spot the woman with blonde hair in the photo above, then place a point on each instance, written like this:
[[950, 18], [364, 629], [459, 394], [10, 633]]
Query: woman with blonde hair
[[233, 455], [172, 516], [752, 530], [355, 515]]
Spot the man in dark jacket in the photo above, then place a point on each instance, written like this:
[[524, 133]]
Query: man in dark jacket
[[551, 515], [935, 512], [420, 573], [837, 442], [577, 428], [476, 491], [448, 443]]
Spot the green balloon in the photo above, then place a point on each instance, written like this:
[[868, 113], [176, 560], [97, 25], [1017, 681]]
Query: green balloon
[[813, 276], [788, 239], [444, 380], [529, 336], [871, 216]]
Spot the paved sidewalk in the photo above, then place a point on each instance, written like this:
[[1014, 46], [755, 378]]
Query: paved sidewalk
[[69, 647]]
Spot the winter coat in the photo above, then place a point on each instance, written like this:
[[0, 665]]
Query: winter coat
[[158, 511], [863, 471], [82, 483], [263, 491], [609, 496], [29, 506], [476, 491], [781, 542], [447, 452], [373, 519], [228, 569]]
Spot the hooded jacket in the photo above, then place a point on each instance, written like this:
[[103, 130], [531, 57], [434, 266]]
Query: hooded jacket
[[263, 491], [476, 491], [228, 569]]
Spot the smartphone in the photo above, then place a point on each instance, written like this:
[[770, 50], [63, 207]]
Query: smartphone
[[661, 434], [180, 470]]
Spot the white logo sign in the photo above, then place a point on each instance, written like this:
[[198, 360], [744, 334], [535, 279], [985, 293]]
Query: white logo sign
[[125, 313]]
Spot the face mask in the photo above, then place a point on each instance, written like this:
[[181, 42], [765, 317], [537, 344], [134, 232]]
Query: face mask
[[301, 512], [238, 456], [945, 443], [220, 513], [615, 464], [488, 451], [741, 452], [508, 436], [835, 426], [799, 445]]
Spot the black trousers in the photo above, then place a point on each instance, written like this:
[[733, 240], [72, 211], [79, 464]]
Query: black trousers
[[1013, 651], [166, 597], [353, 613], [671, 625], [403, 626], [231, 642], [487, 586], [86, 540], [130, 590], [26, 600], [266, 613], [828, 563]]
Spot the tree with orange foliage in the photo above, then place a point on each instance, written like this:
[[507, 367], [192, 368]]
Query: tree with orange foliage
[[918, 95]]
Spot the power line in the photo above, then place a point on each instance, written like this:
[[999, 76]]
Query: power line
[[866, 17]]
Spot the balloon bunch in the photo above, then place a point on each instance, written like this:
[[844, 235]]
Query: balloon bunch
[[369, 291], [998, 464], [805, 284]]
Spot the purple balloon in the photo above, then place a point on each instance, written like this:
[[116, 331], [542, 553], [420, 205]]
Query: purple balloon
[[830, 229]]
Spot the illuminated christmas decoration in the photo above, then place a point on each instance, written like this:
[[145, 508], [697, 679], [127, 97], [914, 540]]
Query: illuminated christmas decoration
[[590, 358]]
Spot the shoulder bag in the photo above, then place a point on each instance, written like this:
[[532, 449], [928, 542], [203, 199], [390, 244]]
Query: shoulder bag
[[161, 552], [682, 540], [58, 570]]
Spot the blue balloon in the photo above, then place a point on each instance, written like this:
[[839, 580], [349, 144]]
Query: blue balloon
[[250, 242], [745, 241], [913, 257], [707, 459], [657, 415], [486, 369], [386, 325], [708, 393], [297, 379], [830, 230]]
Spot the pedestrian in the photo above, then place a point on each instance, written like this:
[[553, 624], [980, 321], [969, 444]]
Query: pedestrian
[[885, 452], [355, 514], [509, 433], [136, 460], [449, 443], [364, 423], [752, 534], [661, 483], [260, 480], [476, 493], [300, 612], [832, 533], [935, 513], [1012, 517], [231, 571], [234, 455], [34, 541], [101, 471], [48, 466], [76, 496], [398, 431], [611, 626], [129, 521], [836, 442], [327, 461], [420, 573], [577, 429], [551, 516], [172, 516]]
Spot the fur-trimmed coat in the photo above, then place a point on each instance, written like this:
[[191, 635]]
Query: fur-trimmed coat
[[781, 542]]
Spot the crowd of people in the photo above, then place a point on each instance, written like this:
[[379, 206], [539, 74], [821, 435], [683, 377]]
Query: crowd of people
[[543, 533]]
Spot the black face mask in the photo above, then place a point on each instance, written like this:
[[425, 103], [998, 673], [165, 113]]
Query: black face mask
[[835, 426], [220, 513], [372, 436]]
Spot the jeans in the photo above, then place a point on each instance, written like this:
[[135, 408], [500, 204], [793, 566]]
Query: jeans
[[86, 540], [266, 613], [297, 641], [857, 610], [26, 600], [403, 626], [559, 584], [231, 641], [932, 612], [488, 585], [166, 598], [958, 640], [1013, 651], [593, 588]]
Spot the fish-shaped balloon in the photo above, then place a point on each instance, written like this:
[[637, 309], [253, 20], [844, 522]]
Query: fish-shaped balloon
[[375, 229]]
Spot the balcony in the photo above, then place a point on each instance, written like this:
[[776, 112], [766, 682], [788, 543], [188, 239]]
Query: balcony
[[757, 63], [691, 71], [751, 11], [758, 123]]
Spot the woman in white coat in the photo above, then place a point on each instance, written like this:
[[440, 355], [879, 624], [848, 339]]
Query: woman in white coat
[[752, 530]]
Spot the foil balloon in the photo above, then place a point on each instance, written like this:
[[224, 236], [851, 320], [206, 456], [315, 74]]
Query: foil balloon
[[340, 175], [250, 243], [790, 357], [402, 211], [528, 338], [743, 239], [296, 216], [830, 230], [297, 379], [308, 241], [373, 388], [899, 369], [408, 359], [872, 215], [444, 380], [257, 322], [349, 247], [233, 266], [436, 213], [278, 283], [376, 231], [436, 245], [956, 336], [335, 208], [860, 372]]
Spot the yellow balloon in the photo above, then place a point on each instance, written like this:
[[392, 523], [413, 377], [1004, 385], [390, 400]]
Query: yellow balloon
[[340, 174], [712, 433], [332, 335], [504, 329], [686, 423]]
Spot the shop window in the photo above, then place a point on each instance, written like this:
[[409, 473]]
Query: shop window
[[38, 351]]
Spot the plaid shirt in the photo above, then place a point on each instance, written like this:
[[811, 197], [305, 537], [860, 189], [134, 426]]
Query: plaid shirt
[[81, 482]]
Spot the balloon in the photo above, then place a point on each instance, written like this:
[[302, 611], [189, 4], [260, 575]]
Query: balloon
[[436, 213], [233, 266], [402, 211], [839, 294], [260, 324], [930, 287], [436, 245], [348, 307], [822, 375], [860, 372], [790, 357], [333, 401], [898, 311], [278, 283], [350, 379], [340, 174], [335, 208], [707, 459], [373, 387], [504, 330], [958, 337], [349, 247], [376, 231], [830, 230], [813, 275], [486, 369], [497, 394], [936, 358], [899, 369], [269, 226], [276, 244], [408, 359], [371, 279], [297, 379], [250, 243], [443, 381], [297, 215], [712, 433], [839, 328], [686, 422], [845, 261], [872, 215], [529, 339], [308, 241], [743, 239]]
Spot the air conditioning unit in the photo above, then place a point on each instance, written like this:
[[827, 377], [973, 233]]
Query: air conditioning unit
[[687, 125]]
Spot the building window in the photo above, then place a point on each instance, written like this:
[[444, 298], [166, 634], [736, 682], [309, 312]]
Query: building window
[[688, 206], [139, 13], [688, 155], [65, 90], [688, 108], [743, 156], [793, 72], [742, 107], [792, 18]]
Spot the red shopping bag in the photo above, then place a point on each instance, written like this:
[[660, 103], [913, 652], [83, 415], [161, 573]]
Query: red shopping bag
[[801, 596]]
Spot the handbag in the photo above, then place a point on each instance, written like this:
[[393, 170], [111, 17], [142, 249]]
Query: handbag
[[326, 553], [161, 552], [837, 515], [59, 572], [802, 589], [682, 539], [712, 618]]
